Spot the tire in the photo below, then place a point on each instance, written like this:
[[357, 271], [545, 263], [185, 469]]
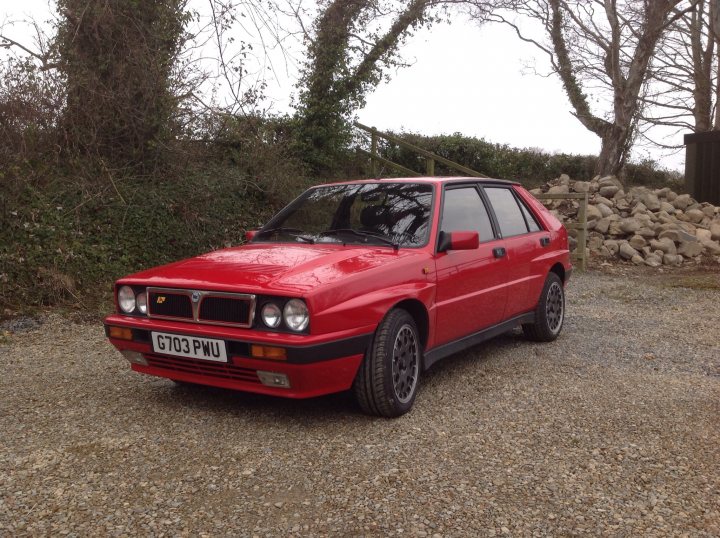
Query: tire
[[549, 313], [387, 381]]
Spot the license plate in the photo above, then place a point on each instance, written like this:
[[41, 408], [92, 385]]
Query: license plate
[[207, 349]]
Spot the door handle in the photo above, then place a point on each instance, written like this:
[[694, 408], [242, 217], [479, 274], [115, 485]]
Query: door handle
[[498, 252], [544, 241]]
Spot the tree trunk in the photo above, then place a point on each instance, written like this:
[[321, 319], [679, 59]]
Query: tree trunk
[[613, 150]]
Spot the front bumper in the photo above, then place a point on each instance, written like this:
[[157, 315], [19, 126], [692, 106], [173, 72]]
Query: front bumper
[[315, 364]]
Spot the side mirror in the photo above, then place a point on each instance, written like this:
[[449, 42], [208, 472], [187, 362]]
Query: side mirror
[[250, 234], [458, 241]]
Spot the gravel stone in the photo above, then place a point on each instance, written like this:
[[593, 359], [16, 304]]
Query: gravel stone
[[611, 430]]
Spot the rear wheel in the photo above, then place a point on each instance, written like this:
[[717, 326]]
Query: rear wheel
[[387, 380], [550, 312]]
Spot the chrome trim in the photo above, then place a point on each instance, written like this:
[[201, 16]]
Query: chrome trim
[[196, 305]]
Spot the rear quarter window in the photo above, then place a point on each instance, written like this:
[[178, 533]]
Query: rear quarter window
[[507, 211]]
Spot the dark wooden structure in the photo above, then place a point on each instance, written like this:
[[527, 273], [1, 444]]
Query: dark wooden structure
[[702, 166]]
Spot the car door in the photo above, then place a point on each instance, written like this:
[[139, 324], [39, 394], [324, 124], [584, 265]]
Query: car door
[[471, 290], [522, 234]]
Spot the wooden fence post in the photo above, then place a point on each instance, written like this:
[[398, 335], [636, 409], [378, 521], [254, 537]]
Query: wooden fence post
[[430, 166], [373, 151], [582, 233]]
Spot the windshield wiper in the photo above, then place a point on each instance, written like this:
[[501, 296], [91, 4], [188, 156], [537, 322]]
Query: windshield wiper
[[293, 232], [365, 235]]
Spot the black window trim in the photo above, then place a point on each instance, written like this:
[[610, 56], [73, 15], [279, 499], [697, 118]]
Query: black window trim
[[478, 188]]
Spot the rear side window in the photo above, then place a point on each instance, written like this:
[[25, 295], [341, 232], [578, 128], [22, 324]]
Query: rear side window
[[529, 218], [464, 210], [508, 212]]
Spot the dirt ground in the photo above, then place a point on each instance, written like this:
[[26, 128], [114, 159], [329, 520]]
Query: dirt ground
[[612, 429]]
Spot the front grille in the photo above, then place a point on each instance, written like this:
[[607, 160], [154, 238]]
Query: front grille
[[169, 304], [211, 307], [205, 368], [225, 310]]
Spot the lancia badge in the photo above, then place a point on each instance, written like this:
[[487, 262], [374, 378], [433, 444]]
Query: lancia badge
[[195, 296]]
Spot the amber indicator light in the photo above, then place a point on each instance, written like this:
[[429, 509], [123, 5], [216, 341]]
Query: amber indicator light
[[268, 352], [122, 333]]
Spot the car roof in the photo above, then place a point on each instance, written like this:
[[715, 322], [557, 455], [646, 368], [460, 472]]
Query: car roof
[[434, 180]]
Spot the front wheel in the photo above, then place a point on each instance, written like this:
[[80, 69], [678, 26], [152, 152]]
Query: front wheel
[[387, 381], [550, 312]]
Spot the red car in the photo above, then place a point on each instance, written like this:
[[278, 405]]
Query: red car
[[360, 285]]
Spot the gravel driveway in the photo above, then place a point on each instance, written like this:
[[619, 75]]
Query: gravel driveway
[[613, 429]]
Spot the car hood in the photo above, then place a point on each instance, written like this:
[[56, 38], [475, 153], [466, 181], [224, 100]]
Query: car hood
[[271, 268]]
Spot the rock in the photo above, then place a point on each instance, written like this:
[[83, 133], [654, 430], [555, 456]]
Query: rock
[[637, 242], [670, 196], [612, 245], [665, 244], [711, 246], [602, 200], [535, 192], [637, 259], [651, 201], [559, 189], [682, 201], [604, 210], [690, 249], [695, 215], [646, 232], [715, 231], [630, 225], [593, 213], [564, 179], [595, 243], [702, 233], [709, 210], [581, 186], [671, 259], [609, 180], [608, 190], [677, 236], [639, 208], [602, 225], [653, 261], [627, 251], [667, 207]]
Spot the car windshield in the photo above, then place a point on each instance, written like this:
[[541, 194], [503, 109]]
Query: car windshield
[[393, 214]]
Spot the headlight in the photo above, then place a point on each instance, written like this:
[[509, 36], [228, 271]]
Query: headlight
[[271, 315], [126, 299], [296, 315], [141, 302]]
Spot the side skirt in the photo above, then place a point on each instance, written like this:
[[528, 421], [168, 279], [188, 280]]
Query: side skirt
[[445, 350]]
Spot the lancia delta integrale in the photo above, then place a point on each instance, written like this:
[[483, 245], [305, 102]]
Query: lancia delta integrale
[[359, 286]]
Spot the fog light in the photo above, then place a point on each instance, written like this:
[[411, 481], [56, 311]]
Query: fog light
[[274, 379], [134, 357], [268, 352], [122, 333]]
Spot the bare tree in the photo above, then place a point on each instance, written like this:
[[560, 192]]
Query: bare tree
[[602, 51], [684, 80]]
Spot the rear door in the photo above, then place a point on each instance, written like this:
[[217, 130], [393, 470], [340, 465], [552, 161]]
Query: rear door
[[522, 234], [471, 289]]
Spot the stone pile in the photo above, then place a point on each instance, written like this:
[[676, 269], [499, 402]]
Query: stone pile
[[645, 226]]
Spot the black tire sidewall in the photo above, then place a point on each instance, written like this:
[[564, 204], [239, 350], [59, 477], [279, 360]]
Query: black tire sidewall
[[392, 325], [542, 320]]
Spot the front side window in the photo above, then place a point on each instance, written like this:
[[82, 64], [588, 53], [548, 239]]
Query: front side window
[[377, 213], [507, 211], [464, 210]]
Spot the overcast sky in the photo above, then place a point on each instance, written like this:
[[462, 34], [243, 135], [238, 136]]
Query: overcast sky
[[462, 79]]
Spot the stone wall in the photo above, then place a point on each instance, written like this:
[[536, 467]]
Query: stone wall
[[645, 226]]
